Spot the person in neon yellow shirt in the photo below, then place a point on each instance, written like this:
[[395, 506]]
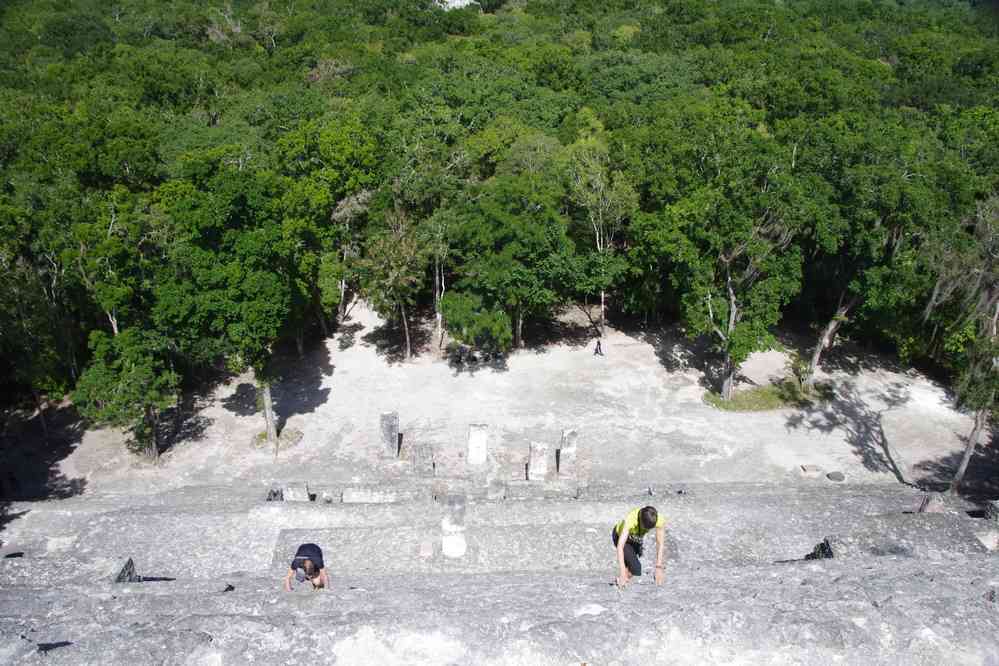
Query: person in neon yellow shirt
[[627, 536]]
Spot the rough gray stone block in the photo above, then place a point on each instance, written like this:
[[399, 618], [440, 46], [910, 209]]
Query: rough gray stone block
[[296, 492], [568, 455], [453, 542], [369, 495], [390, 433], [537, 466], [127, 573], [932, 503], [992, 510], [423, 460]]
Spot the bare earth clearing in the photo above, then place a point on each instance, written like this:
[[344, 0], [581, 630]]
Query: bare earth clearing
[[640, 422]]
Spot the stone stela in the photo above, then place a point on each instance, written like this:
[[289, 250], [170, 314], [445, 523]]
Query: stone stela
[[567, 455], [478, 444], [453, 543], [537, 465], [390, 433]]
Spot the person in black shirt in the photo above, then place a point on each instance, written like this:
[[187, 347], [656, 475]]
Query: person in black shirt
[[308, 565]]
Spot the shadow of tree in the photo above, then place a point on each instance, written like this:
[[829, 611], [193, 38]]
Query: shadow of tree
[[540, 333], [678, 353], [462, 359], [184, 422], [854, 414], [981, 480], [29, 462], [300, 389], [347, 334], [243, 401], [849, 358], [389, 339]]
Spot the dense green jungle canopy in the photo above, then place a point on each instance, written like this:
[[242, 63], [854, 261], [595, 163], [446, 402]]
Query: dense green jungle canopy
[[189, 184]]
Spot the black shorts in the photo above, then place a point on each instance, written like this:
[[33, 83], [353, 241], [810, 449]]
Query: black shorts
[[632, 551]]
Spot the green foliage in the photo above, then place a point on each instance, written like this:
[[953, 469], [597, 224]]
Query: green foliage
[[210, 179], [472, 324], [128, 376]]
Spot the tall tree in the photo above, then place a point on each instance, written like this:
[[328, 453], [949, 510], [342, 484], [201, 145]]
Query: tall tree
[[968, 276], [128, 383], [889, 183], [607, 200], [392, 271], [729, 232]]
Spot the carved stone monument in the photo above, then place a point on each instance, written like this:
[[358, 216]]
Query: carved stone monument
[[566, 458], [390, 433], [537, 465], [453, 544]]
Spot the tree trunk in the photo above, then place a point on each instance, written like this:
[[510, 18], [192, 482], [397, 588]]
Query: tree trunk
[[265, 390], [603, 315], [152, 423], [438, 294], [825, 340], [114, 322], [728, 380], [518, 331], [405, 328], [321, 317], [342, 307], [981, 417], [40, 404]]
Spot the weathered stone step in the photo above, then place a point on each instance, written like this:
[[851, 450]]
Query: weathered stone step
[[885, 610], [737, 525], [474, 547]]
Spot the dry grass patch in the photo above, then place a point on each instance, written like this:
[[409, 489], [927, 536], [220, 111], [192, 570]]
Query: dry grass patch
[[783, 394]]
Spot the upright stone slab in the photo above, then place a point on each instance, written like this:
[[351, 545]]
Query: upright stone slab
[[390, 433], [423, 460], [453, 543], [478, 444], [296, 492], [537, 465], [568, 451]]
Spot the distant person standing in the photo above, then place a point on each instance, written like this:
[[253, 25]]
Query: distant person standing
[[627, 538], [597, 351], [308, 565]]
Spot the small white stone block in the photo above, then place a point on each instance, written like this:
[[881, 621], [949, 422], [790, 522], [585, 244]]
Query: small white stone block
[[296, 492], [478, 444], [454, 546], [537, 465], [811, 471]]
